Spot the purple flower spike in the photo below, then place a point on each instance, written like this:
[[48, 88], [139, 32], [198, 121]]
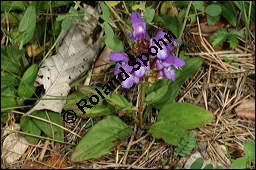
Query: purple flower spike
[[139, 27]]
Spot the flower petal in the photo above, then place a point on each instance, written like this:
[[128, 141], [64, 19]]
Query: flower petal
[[139, 27], [162, 54], [178, 62], [170, 73], [117, 70], [128, 83], [118, 56], [159, 64], [139, 73], [160, 34], [136, 79], [127, 68]]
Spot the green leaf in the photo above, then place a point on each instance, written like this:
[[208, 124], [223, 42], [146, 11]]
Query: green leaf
[[27, 125], [249, 150], [183, 74], [181, 15], [228, 11], [186, 146], [108, 31], [26, 87], [239, 163], [208, 166], [105, 11], [138, 6], [219, 37], [149, 15], [180, 3], [114, 44], [103, 136], [10, 59], [27, 25], [119, 102], [66, 23], [172, 23], [233, 41], [8, 96], [49, 129], [9, 79], [184, 115], [95, 111], [40, 5], [213, 10], [156, 95], [236, 33], [219, 167], [13, 5], [199, 5], [197, 164], [212, 20], [171, 133], [113, 3]]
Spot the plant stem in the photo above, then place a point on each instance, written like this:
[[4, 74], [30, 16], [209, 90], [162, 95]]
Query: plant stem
[[185, 19], [149, 107], [229, 157], [114, 12], [141, 106], [184, 24], [126, 8]]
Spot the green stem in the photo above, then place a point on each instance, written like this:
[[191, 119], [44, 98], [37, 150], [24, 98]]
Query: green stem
[[141, 106], [184, 24], [126, 8], [185, 19], [229, 157], [29, 134], [148, 109], [117, 16], [55, 43]]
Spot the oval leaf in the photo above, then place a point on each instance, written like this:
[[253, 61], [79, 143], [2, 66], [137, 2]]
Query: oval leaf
[[249, 150], [149, 15], [171, 133], [239, 163], [49, 129], [199, 5], [228, 11], [197, 164], [27, 25], [187, 71], [156, 95], [26, 87], [27, 125], [184, 115], [101, 138], [213, 10]]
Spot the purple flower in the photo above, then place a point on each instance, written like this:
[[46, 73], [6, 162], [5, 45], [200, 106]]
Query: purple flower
[[122, 59], [139, 28], [164, 53], [136, 75], [166, 66]]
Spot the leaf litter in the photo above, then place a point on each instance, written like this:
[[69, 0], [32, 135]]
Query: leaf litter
[[73, 59]]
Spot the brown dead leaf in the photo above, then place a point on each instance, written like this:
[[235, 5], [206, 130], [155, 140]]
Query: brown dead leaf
[[102, 64], [14, 143], [34, 49], [56, 161], [246, 109]]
